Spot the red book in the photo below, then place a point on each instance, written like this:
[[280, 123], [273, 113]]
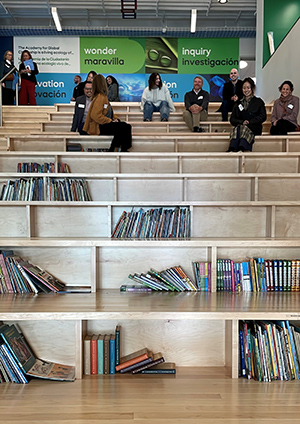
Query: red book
[[94, 355], [133, 358]]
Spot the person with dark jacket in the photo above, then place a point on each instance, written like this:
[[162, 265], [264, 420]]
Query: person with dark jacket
[[247, 117], [232, 92], [80, 86], [77, 81], [196, 105], [28, 79], [82, 106], [285, 111], [6, 65], [113, 89]]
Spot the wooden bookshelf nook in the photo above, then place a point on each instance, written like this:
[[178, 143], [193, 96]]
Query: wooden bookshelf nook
[[242, 205]]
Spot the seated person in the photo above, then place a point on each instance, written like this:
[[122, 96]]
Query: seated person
[[113, 89], [82, 106], [156, 98], [101, 119], [89, 78], [285, 111], [196, 105], [247, 117], [232, 92]]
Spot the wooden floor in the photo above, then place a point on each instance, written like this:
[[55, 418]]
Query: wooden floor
[[191, 397]]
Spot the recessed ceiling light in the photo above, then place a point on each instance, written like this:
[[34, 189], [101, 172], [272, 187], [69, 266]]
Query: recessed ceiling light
[[222, 1]]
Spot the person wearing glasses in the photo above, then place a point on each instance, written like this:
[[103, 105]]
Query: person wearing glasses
[[82, 106]]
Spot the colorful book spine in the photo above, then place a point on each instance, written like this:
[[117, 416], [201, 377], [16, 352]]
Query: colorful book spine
[[94, 355], [112, 354], [118, 344], [100, 353]]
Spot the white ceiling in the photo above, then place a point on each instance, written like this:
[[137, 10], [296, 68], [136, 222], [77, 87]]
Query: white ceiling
[[102, 17]]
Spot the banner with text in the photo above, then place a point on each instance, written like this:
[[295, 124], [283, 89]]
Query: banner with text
[[130, 60]]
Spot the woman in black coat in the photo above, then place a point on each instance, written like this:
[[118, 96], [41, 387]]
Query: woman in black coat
[[8, 94], [247, 117]]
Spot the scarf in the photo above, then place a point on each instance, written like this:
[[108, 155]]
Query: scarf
[[285, 100], [245, 102]]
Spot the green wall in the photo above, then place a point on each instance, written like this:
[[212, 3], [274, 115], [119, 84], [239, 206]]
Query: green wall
[[279, 17]]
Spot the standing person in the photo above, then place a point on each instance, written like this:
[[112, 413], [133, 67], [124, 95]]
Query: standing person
[[285, 111], [6, 65], [232, 92], [247, 117], [82, 106], [156, 98], [113, 89], [102, 120], [77, 81], [196, 105], [28, 79]]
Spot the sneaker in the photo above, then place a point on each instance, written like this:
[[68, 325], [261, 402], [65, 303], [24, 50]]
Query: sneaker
[[201, 129], [147, 120], [164, 120], [196, 129]]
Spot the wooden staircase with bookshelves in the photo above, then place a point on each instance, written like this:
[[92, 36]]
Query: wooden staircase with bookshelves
[[242, 205]]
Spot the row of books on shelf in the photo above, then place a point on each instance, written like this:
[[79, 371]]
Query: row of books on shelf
[[18, 275], [154, 223], [171, 279], [102, 356], [44, 168], [18, 362], [269, 350], [258, 275], [28, 189]]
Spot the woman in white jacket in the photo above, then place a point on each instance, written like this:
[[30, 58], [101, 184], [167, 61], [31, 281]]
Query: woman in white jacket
[[156, 98]]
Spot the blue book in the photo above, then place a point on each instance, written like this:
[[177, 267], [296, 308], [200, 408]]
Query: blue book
[[29, 64], [100, 353], [112, 354], [243, 366]]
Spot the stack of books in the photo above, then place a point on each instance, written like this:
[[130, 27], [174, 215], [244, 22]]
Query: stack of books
[[102, 357], [44, 168], [28, 189], [154, 223], [269, 350], [101, 353], [170, 279], [18, 362], [202, 272], [145, 362], [18, 275]]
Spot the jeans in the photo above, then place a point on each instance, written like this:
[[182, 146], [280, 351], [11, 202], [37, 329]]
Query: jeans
[[225, 109], [163, 108]]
